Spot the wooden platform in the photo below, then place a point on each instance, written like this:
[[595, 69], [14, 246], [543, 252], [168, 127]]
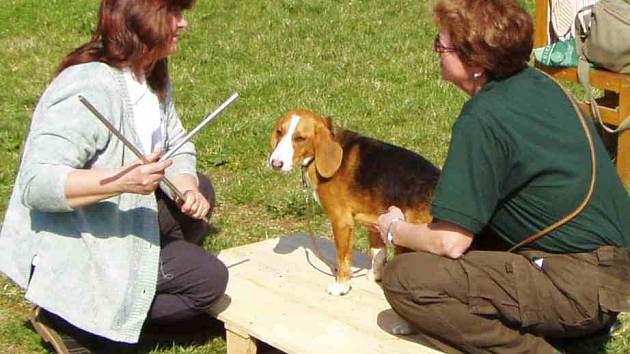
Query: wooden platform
[[277, 294]]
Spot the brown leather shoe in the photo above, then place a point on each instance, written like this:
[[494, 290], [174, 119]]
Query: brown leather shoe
[[60, 342]]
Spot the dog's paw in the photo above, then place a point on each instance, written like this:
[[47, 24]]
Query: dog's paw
[[402, 328], [338, 289]]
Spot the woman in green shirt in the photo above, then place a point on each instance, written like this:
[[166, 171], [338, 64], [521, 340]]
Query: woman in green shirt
[[518, 161]]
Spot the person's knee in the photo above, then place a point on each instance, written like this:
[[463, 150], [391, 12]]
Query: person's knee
[[212, 281], [420, 277], [202, 277], [411, 270], [216, 277], [207, 190], [393, 281], [391, 274]]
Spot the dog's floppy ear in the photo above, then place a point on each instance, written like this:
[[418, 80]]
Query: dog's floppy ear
[[328, 152]]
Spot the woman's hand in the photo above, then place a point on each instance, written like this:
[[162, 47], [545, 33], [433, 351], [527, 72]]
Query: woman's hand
[[87, 186], [385, 220], [195, 205], [438, 237], [143, 178]]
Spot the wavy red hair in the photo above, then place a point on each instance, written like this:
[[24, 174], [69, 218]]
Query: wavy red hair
[[494, 34], [135, 34]]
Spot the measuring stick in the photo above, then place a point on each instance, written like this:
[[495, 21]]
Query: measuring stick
[[127, 143], [203, 123]]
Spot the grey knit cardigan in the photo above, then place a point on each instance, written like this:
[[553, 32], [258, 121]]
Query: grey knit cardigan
[[96, 266]]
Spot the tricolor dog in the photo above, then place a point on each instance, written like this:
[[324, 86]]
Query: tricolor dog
[[355, 179]]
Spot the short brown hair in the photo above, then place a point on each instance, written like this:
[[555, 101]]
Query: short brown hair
[[134, 34], [494, 34]]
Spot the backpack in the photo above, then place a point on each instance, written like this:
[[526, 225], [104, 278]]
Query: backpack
[[603, 38]]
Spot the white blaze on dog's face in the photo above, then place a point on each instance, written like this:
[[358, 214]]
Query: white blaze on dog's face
[[282, 155], [291, 142]]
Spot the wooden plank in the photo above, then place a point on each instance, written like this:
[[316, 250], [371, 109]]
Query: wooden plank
[[602, 79], [277, 294], [623, 142], [541, 24], [238, 341]]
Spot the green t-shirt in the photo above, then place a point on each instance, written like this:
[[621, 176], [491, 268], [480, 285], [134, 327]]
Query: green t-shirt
[[519, 161]]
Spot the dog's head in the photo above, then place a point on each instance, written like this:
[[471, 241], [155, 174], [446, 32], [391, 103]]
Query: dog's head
[[301, 136]]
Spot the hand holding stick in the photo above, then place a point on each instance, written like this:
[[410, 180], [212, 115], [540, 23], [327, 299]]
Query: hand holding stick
[[129, 145]]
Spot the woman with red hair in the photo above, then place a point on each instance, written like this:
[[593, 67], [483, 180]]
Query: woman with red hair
[[520, 159], [102, 251]]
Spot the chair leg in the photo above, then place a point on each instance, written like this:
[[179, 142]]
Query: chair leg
[[623, 142], [623, 157], [541, 25]]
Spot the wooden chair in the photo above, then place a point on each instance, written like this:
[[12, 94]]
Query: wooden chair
[[613, 106]]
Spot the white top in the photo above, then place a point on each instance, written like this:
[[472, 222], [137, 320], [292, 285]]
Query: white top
[[146, 111], [563, 14]]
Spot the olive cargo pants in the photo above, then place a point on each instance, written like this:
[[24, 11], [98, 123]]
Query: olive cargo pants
[[506, 302]]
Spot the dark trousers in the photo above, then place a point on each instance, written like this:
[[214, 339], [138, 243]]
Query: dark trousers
[[189, 279], [504, 302]]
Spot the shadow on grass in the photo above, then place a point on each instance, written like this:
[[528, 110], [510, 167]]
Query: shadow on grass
[[589, 344], [203, 331], [593, 344], [167, 337]]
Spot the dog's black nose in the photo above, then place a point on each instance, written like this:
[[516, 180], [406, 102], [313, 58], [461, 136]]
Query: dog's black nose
[[276, 164]]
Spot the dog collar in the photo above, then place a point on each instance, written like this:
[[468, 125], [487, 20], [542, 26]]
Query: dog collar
[[306, 182]]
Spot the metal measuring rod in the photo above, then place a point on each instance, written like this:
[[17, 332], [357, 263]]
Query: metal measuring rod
[[127, 143], [200, 126], [169, 153]]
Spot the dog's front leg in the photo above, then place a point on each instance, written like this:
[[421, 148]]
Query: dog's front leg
[[378, 256], [342, 232]]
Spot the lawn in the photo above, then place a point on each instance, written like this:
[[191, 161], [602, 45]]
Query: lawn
[[368, 64]]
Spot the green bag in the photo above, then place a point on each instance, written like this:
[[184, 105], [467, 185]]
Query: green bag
[[603, 38], [562, 53]]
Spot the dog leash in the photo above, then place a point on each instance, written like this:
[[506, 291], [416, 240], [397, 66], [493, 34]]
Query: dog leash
[[309, 215], [591, 187], [309, 224]]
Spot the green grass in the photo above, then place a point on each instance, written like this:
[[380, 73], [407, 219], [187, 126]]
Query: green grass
[[368, 64]]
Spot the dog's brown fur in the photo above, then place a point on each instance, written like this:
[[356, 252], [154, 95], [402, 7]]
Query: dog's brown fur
[[356, 179]]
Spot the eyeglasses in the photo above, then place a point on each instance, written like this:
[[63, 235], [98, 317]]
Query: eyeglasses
[[438, 47]]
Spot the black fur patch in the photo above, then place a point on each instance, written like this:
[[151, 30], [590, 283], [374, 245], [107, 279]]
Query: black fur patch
[[404, 178]]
